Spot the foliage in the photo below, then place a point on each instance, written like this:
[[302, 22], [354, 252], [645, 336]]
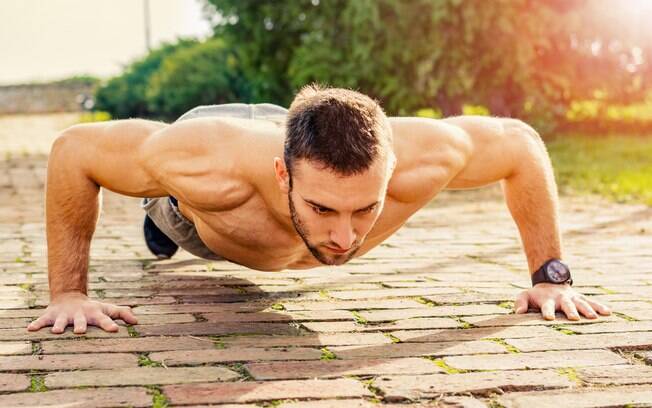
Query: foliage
[[87, 80], [124, 96], [205, 73], [610, 166], [95, 116], [520, 58]]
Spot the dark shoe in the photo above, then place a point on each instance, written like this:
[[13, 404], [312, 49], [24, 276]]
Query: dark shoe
[[157, 242]]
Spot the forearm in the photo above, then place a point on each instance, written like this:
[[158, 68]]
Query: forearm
[[72, 207], [531, 195]]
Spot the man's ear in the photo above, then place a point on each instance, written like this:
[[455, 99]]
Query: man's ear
[[282, 175]]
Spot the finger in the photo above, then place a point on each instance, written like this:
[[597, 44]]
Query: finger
[[60, 324], [584, 308], [105, 323], [522, 302], [42, 321], [80, 323], [598, 307], [127, 315], [568, 307], [548, 309]]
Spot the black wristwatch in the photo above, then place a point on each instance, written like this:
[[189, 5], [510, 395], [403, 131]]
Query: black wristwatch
[[553, 271]]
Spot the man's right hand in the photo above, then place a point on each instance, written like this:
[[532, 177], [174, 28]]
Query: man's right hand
[[77, 309]]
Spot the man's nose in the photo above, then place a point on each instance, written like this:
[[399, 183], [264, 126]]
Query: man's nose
[[343, 235]]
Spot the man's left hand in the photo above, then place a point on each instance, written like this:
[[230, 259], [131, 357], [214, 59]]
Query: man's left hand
[[550, 297]]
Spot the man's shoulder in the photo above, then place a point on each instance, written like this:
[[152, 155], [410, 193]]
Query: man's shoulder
[[429, 152]]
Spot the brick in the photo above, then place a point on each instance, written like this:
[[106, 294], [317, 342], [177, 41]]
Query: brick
[[580, 398], [443, 402], [279, 316], [353, 304], [139, 376], [469, 298], [585, 341], [11, 313], [545, 359], [15, 347], [610, 327], [132, 344], [199, 308], [14, 382], [437, 311], [175, 358], [286, 370], [216, 328], [68, 362], [263, 391], [100, 397], [319, 340], [431, 386], [418, 349], [425, 323], [616, 375], [45, 334], [338, 403], [383, 293], [14, 322], [528, 319], [428, 336]]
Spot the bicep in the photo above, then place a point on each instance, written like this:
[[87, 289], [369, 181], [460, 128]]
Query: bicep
[[497, 146], [111, 155]]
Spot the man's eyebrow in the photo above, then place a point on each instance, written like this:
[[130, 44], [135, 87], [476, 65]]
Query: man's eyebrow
[[316, 204]]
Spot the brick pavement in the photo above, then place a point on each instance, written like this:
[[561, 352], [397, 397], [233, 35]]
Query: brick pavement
[[423, 320]]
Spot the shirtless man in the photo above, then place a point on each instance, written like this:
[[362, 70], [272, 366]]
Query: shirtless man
[[331, 180]]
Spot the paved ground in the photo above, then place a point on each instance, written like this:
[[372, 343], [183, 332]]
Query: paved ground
[[424, 320]]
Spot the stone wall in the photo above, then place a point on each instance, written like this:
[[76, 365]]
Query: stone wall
[[43, 98]]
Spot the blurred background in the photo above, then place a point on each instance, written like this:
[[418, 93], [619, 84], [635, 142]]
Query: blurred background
[[579, 71]]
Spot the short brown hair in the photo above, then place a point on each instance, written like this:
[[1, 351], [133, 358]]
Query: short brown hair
[[341, 129]]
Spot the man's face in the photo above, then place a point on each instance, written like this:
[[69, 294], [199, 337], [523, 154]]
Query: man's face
[[333, 213]]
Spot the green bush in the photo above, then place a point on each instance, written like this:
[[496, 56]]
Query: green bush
[[204, 74], [123, 96]]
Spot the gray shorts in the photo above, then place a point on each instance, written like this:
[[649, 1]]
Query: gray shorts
[[166, 215]]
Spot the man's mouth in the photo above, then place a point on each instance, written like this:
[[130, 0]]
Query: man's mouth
[[337, 250]]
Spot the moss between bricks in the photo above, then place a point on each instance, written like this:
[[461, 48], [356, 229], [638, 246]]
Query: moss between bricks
[[37, 383], [132, 331], [324, 293], [159, 400], [377, 392], [564, 330], [358, 318], [393, 338], [36, 348], [465, 324], [145, 361], [507, 305], [624, 316], [217, 342], [326, 354], [571, 374], [426, 302], [447, 369], [277, 306], [502, 342], [242, 370]]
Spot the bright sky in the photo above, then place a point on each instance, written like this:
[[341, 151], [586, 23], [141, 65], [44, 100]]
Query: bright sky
[[52, 39]]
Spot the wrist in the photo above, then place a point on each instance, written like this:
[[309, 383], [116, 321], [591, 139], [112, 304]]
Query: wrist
[[552, 271]]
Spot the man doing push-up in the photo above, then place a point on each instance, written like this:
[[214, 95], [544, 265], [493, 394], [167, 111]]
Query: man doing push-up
[[272, 189]]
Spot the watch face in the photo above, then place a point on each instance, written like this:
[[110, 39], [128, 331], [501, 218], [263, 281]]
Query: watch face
[[557, 272]]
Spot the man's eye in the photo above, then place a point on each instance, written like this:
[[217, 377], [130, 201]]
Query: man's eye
[[320, 210], [368, 210]]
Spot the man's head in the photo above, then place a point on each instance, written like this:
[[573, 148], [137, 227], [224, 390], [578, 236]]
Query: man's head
[[338, 160]]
